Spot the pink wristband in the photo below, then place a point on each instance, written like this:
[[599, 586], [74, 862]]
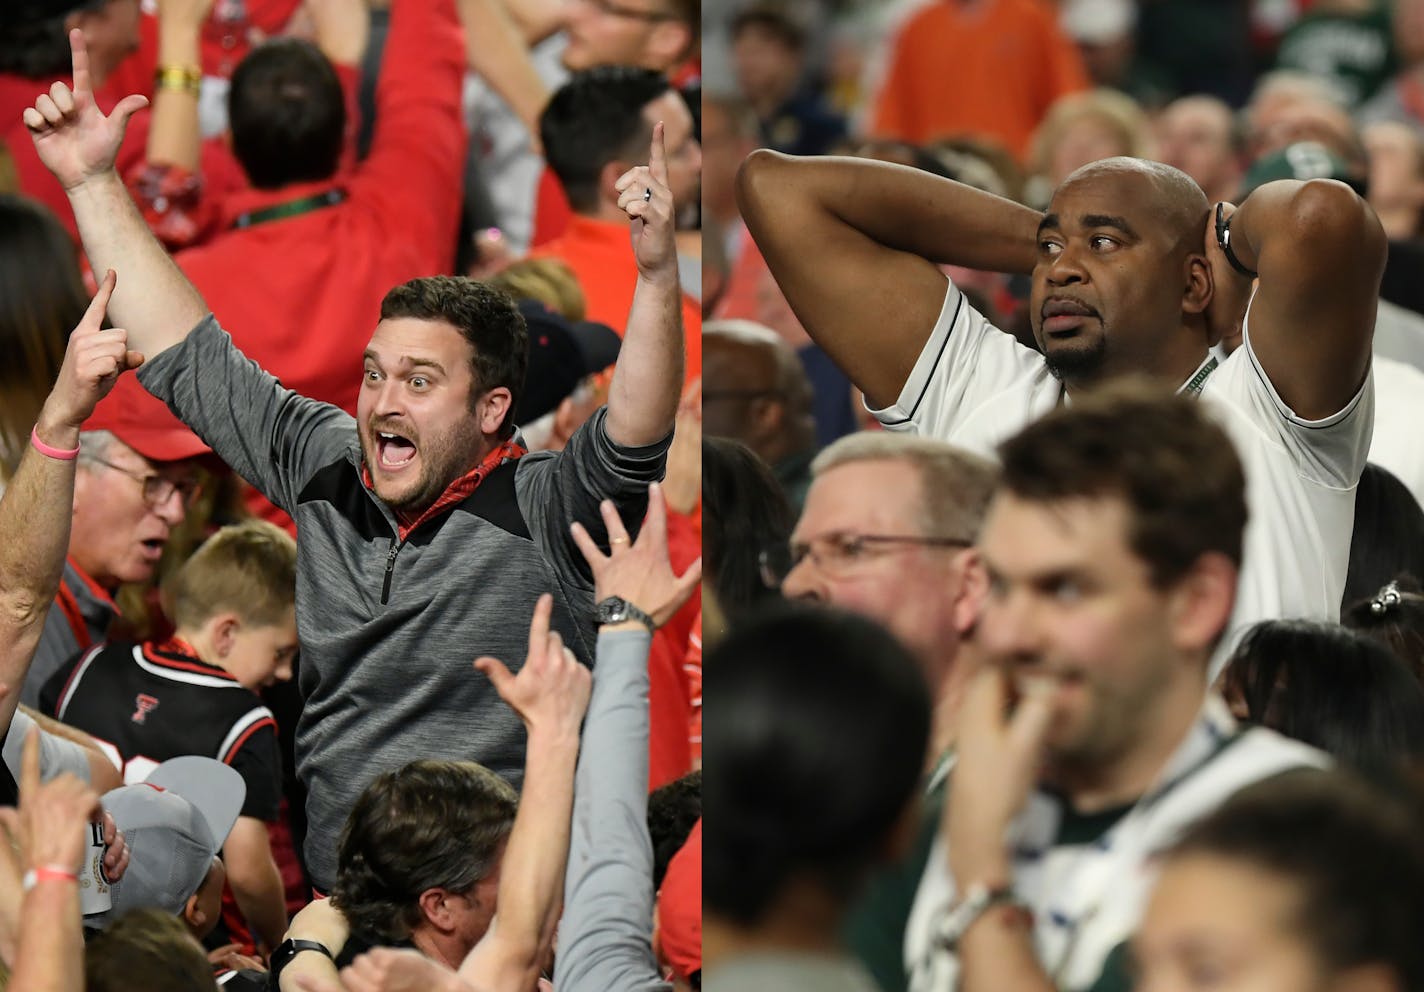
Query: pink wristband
[[63, 454]]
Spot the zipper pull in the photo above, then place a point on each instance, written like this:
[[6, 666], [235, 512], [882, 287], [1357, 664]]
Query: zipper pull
[[390, 570]]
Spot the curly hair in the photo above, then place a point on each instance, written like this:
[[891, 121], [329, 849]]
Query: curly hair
[[431, 824]]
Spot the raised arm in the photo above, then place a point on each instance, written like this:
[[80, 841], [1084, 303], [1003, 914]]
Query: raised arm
[[854, 243], [1319, 251], [550, 694], [496, 49], [36, 508], [50, 831], [605, 939], [77, 143], [174, 135], [647, 381]]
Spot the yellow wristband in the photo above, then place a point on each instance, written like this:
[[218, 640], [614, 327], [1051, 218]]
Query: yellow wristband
[[188, 78]]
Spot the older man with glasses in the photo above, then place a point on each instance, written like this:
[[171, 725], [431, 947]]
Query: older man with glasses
[[887, 532], [137, 477]]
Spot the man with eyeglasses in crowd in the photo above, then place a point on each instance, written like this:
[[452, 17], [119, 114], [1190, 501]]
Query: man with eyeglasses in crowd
[[886, 532], [136, 478]]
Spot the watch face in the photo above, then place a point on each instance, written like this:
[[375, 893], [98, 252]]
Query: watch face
[[613, 610]]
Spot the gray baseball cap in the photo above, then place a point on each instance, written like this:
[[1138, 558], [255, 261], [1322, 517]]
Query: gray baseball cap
[[175, 822]]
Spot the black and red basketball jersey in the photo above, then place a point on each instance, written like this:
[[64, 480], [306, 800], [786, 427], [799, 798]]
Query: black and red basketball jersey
[[146, 703]]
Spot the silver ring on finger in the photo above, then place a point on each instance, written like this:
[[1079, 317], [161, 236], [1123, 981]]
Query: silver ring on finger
[[647, 194]]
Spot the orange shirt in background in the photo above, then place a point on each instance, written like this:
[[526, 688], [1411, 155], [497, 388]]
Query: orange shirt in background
[[601, 254], [989, 68]]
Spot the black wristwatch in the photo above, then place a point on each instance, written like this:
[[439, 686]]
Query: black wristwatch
[[289, 949], [1223, 238], [616, 609]]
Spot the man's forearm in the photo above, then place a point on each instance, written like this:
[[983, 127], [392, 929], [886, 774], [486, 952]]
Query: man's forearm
[[154, 301], [532, 872], [34, 521], [174, 135], [497, 51], [257, 888], [907, 209], [51, 951], [647, 381], [996, 952]]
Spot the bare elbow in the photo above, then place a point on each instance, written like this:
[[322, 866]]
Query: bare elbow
[[23, 608], [1327, 209], [755, 176]]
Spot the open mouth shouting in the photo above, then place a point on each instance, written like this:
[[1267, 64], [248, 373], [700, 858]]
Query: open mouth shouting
[[394, 451]]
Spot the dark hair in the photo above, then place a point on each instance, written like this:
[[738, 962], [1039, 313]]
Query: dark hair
[[42, 298], [673, 809], [596, 118], [744, 512], [287, 114], [431, 824], [1353, 854], [1177, 471], [488, 318], [1394, 617], [38, 48], [816, 730], [775, 21], [1388, 536], [1333, 688], [150, 944]]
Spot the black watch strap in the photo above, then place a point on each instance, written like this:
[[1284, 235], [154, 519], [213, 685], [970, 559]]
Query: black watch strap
[[289, 949], [1223, 238]]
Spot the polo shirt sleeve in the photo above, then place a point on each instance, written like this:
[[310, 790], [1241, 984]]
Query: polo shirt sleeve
[[555, 492], [272, 437], [1327, 452], [973, 384]]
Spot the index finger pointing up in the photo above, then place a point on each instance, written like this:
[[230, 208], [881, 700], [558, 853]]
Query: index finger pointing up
[[657, 156], [94, 316], [79, 53]]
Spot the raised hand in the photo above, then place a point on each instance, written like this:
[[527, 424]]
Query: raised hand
[[644, 195], [551, 691], [74, 140], [997, 764], [93, 362], [641, 572]]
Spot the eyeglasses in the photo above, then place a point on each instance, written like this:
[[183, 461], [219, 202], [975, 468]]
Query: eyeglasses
[[839, 553], [631, 13], [158, 489]]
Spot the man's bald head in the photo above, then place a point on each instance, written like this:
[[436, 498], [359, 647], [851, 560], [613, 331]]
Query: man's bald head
[[755, 389], [1122, 281], [1174, 197]]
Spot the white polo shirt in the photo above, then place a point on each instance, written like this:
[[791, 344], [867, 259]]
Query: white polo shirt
[[975, 386]]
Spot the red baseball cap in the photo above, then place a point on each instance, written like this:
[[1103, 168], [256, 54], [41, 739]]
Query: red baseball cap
[[144, 423], [680, 908]]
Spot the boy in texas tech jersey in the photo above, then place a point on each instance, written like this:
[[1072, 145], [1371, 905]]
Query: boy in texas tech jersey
[[232, 604]]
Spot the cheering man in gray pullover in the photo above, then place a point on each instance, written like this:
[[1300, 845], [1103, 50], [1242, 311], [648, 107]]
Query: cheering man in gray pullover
[[425, 534]]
